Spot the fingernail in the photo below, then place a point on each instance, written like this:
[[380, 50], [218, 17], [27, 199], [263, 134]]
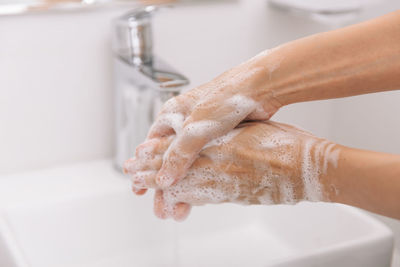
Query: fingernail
[[141, 192], [138, 191], [129, 165]]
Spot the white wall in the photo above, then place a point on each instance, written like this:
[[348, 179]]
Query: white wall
[[55, 89]]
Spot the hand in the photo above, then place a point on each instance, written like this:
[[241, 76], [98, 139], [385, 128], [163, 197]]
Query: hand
[[210, 111], [256, 163]]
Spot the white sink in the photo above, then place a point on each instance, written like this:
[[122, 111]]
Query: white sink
[[84, 215]]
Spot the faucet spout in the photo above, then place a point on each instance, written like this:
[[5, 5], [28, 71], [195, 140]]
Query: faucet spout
[[142, 81]]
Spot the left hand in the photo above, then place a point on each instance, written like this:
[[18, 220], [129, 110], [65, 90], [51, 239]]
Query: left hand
[[256, 163]]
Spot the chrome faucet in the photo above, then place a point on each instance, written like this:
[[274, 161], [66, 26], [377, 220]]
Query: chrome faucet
[[142, 81]]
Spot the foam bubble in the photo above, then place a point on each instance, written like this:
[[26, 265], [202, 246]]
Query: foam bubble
[[173, 120], [277, 140], [286, 192], [316, 157], [243, 105], [145, 151], [139, 178], [200, 128], [312, 187], [224, 188], [288, 150], [224, 139], [265, 199]]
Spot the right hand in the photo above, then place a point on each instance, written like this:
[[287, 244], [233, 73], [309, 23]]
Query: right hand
[[210, 111]]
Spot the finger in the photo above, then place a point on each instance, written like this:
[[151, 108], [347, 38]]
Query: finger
[[146, 149], [165, 125], [181, 211], [148, 156], [197, 132], [163, 144], [143, 154], [159, 207], [128, 166], [143, 171], [139, 191], [264, 112], [144, 179], [174, 112], [170, 119], [132, 166]]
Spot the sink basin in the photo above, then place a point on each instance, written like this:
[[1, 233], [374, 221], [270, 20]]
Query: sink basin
[[84, 215]]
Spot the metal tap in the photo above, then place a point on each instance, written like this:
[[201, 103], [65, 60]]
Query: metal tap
[[142, 81]]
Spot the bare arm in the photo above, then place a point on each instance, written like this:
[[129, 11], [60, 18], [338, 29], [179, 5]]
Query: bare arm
[[359, 59], [355, 60], [368, 180]]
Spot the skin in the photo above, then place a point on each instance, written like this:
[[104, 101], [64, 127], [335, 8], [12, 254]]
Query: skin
[[359, 59], [368, 180], [365, 179], [250, 166]]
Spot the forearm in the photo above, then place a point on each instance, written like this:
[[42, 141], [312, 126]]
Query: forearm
[[368, 180], [359, 59]]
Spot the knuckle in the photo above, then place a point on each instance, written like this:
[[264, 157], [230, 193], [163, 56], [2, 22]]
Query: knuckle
[[128, 166], [146, 149], [171, 105]]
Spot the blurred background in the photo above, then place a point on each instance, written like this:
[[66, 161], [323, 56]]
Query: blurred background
[[56, 90]]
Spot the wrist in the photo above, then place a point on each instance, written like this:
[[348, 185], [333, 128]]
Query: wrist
[[336, 178], [368, 180], [322, 161], [262, 78], [279, 80]]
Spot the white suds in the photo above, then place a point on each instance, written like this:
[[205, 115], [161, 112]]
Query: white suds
[[286, 192], [200, 128], [139, 179], [223, 139], [312, 168], [243, 105], [310, 173], [224, 188], [173, 120], [296, 162], [277, 140], [265, 199], [145, 152]]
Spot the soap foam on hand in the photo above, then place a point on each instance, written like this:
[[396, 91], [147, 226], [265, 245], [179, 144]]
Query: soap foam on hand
[[256, 163], [212, 110], [288, 163], [232, 168], [231, 112]]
